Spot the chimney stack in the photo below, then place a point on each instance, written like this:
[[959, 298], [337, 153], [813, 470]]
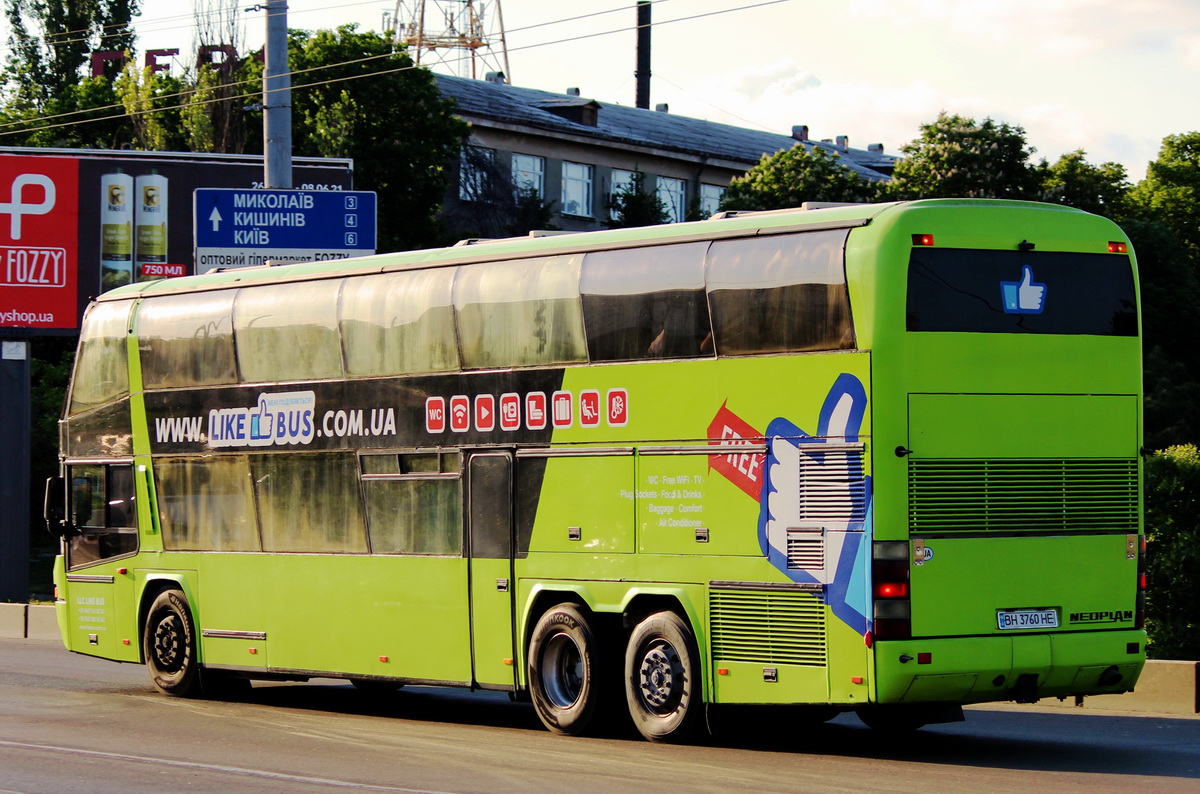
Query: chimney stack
[[843, 142], [800, 132]]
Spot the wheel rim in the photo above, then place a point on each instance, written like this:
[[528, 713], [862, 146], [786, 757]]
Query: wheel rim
[[661, 677], [563, 674], [169, 644]]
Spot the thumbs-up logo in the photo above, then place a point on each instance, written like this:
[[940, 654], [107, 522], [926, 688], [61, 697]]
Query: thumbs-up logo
[[1025, 296]]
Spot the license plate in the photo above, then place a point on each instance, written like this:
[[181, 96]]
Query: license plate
[[1027, 619]]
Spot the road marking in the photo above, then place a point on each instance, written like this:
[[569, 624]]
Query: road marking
[[232, 770]]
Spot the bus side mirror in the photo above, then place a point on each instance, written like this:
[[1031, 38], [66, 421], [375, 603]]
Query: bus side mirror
[[55, 508]]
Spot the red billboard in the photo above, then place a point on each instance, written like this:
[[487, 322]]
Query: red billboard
[[39, 242], [75, 223]]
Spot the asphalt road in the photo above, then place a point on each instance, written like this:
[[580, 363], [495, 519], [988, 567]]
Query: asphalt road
[[73, 724]]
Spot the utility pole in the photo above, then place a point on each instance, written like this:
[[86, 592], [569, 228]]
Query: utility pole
[[277, 100], [14, 469], [643, 55]]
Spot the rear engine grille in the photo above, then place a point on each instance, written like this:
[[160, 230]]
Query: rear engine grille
[[767, 627], [806, 549], [832, 488], [1023, 495]]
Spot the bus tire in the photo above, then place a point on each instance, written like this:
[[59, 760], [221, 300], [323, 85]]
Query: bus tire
[[563, 670], [662, 678], [169, 640]]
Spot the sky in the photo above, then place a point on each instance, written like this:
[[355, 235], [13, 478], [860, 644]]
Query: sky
[[1110, 77]]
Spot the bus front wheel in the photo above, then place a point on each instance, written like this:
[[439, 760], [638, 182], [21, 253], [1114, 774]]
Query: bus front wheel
[[662, 678], [563, 670], [170, 645]]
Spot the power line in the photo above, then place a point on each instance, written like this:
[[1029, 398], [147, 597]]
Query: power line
[[246, 95]]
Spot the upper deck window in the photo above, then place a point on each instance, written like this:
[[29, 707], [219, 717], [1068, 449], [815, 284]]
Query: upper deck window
[[523, 312], [102, 365], [187, 340], [646, 303], [1035, 292], [780, 294], [397, 323], [288, 332]]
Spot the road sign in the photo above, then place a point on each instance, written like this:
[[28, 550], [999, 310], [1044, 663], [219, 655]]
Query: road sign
[[243, 228]]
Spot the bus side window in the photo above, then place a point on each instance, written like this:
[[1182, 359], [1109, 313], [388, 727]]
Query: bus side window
[[300, 318], [646, 303], [780, 294], [103, 512], [414, 503], [520, 313]]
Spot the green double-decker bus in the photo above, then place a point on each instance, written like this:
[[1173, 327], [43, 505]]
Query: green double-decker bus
[[881, 458]]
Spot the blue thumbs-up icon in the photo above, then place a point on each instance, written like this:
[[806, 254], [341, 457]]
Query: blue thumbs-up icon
[[1025, 296]]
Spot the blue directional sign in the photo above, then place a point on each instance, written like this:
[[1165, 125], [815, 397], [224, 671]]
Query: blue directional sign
[[243, 228]]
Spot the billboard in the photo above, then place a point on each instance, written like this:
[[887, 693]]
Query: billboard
[[75, 223]]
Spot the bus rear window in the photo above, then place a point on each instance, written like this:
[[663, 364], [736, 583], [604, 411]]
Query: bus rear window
[[1020, 292]]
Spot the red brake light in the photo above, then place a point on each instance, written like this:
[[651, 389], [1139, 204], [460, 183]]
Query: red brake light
[[1117, 247], [927, 239], [891, 590]]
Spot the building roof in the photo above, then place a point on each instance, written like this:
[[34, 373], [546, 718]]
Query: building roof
[[620, 124]]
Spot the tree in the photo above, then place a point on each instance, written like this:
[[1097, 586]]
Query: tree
[[1172, 554], [1100, 189], [957, 157], [1171, 190], [372, 104], [490, 204], [793, 176], [633, 205], [43, 64]]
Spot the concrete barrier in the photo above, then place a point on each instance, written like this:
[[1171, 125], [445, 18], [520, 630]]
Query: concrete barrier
[[12, 621], [1165, 687], [41, 623]]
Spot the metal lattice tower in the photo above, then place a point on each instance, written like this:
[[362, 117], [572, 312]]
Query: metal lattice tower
[[464, 35]]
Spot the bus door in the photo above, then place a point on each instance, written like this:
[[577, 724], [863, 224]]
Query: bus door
[[490, 548], [103, 518]]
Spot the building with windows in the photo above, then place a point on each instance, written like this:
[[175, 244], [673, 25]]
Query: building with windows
[[575, 153]]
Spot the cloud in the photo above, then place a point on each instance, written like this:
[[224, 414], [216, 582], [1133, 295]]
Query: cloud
[[1063, 30], [783, 95]]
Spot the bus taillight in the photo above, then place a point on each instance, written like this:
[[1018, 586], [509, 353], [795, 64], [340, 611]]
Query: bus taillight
[[924, 239], [892, 610], [1117, 247]]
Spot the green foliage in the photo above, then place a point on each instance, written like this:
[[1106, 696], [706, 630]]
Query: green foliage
[[214, 116], [151, 101], [794, 176], [1171, 190], [1163, 221], [1100, 189], [1173, 554], [43, 63], [633, 205], [401, 132], [85, 115], [957, 157]]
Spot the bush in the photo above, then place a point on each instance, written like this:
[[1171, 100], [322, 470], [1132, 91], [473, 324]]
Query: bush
[[1172, 553]]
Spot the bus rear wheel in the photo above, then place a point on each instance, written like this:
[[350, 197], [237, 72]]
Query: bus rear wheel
[[662, 678], [563, 670], [169, 641]]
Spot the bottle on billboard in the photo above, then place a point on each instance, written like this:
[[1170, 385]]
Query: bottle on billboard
[[151, 226], [116, 229]]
